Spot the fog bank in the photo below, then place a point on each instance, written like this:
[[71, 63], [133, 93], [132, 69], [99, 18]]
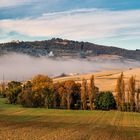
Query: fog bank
[[23, 67]]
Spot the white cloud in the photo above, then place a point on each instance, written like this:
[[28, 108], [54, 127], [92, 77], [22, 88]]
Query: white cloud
[[7, 3], [81, 24]]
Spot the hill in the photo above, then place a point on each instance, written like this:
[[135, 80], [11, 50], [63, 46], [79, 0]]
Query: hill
[[59, 47], [105, 80]]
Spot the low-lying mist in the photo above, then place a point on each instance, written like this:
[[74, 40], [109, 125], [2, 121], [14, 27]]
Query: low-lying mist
[[23, 67]]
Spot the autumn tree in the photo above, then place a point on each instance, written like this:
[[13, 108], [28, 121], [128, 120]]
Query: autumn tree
[[120, 92], [62, 93], [72, 91], [25, 97], [57, 97], [127, 104], [27, 85], [2, 90], [76, 96], [138, 99], [69, 89], [42, 88], [123, 95], [69, 92], [91, 92], [84, 94], [132, 89]]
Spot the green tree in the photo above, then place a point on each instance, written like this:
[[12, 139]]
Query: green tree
[[105, 101], [12, 92]]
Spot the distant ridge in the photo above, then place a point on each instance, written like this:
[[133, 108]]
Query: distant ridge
[[62, 47]]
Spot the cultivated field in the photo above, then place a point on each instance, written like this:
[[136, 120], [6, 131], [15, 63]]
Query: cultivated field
[[17, 123], [106, 80]]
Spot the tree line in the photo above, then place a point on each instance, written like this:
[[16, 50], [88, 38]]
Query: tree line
[[127, 94], [41, 91]]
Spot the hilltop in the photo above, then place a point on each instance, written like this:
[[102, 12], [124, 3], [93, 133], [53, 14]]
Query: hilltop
[[59, 47]]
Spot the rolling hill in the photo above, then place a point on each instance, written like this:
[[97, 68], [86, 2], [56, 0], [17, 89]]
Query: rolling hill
[[60, 47], [105, 80]]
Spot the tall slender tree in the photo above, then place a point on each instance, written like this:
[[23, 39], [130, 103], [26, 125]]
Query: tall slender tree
[[69, 89], [91, 91], [138, 99], [120, 91], [132, 89], [84, 94], [62, 93], [123, 95], [127, 98]]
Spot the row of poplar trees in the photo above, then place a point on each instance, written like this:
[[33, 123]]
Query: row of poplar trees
[[88, 92], [127, 95]]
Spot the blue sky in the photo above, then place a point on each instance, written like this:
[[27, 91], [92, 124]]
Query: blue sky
[[107, 22]]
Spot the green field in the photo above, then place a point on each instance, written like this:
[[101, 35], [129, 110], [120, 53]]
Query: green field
[[17, 123]]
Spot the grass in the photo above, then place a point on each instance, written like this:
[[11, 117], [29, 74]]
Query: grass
[[18, 123]]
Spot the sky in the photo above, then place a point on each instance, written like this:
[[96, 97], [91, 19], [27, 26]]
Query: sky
[[105, 22]]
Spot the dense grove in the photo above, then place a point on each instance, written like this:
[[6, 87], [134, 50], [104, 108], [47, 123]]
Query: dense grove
[[41, 91]]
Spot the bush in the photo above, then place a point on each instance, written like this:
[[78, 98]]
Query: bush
[[105, 101]]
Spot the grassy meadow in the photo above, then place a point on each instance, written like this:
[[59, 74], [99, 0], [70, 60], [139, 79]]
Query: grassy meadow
[[18, 123]]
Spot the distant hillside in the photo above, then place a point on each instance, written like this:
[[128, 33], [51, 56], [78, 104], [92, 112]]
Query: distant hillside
[[59, 47], [109, 77]]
